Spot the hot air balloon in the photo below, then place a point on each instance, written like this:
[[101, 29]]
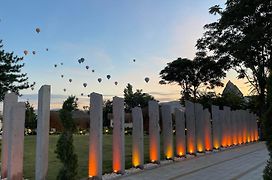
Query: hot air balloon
[[55, 65], [84, 84], [116, 83], [93, 70], [108, 76], [62, 76], [33, 52], [146, 79], [70, 80], [25, 52], [46, 49], [76, 99], [88, 95], [61, 63], [87, 67], [64, 90], [82, 94], [38, 30], [134, 60], [32, 88], [99, 80]]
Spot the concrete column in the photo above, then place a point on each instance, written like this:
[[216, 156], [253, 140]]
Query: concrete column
[[228, 126], [42, 138], [154, 131], [222, 121], [190, 125], [240, 126], [248, 126], [96, 136], [234, 127], [16, 139], [199, 123], [9, 100], [256, 134], [207, 130], [167, 132], [251, 127], [244, 119], [216, 127], [118, 141], [180, 133], [137, 138]]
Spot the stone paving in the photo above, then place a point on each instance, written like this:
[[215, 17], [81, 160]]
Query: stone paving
[[243, 162]]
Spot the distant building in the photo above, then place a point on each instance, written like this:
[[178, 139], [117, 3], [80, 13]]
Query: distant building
[[232, 89]]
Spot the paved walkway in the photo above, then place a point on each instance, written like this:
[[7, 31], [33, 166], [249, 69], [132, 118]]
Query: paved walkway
[[245, 162]]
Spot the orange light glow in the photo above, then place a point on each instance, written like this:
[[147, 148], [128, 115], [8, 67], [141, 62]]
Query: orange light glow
[[153, 152], [135, 159], [115, 171]]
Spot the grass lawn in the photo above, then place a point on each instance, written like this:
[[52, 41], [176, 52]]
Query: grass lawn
[[81, 146]]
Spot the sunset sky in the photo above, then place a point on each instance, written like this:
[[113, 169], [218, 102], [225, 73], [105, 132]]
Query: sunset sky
[[109, 35]]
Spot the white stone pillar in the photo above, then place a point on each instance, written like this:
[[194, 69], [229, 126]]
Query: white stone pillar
[[167, 132], [256, 134], [240, 126], [96, 136], [216, 127], [154, 131], [9, 100], [199, 123], [137, 138], [244, 119], [16, 139], [234, 127], [42, 138], [180, 133], [207, 130], [222, 121], [190, 126], [118, 141], [228, 125]]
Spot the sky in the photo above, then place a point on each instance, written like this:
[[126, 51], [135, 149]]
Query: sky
[[108, 34]]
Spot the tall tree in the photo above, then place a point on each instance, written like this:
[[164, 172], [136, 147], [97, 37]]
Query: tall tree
[[242, 39], [30, 117], [65, 149], [11, 77], [138, 98], [193, 74]]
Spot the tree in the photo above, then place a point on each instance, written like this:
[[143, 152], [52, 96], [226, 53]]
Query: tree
[[107, 108], [192, 74], [138, 98], [30, 117], [65, 148], [242, 39], [11, 78]]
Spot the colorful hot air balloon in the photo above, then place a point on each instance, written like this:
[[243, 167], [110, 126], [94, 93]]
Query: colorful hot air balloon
[[33, 52], [116, 83], [85, 84], [87, 67], [38, 30], [108, 76], [25, 52], [146, 79], [70, 80], [99, 80]]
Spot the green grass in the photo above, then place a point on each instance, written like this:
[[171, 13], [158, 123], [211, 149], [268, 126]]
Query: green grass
[[81, 147]]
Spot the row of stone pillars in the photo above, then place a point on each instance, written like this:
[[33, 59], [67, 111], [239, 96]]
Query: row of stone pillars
[[195, 132], [13, 136]]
